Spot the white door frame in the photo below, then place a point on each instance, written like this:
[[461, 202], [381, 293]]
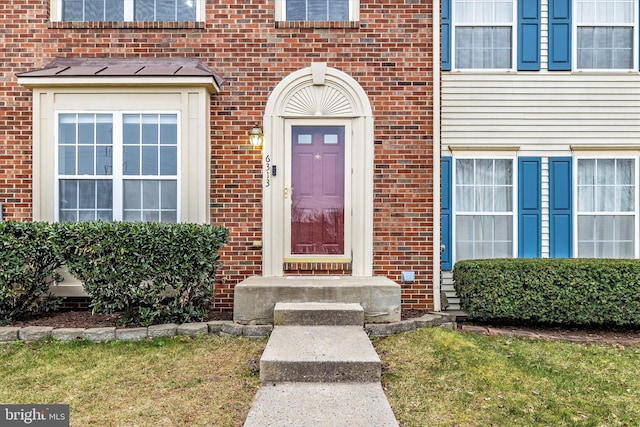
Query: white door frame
[[319, 94]]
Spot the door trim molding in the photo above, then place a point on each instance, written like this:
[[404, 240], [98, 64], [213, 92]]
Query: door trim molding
[[318, 92]]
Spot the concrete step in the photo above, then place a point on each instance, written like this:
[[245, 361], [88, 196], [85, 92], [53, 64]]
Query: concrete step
[[255, 297], [319, 354], [321, 405], [316, 313]]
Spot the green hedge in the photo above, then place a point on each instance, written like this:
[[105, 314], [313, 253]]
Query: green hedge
[[27, 268], [148, 272], [559, 291]]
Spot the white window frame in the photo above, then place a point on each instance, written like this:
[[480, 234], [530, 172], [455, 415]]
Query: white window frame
[[514, 37], [117, 177], [635, 212], [514, 201], [354, 11], [56, 11], [635, 40]]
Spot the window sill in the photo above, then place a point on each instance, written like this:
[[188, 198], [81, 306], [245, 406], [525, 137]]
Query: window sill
[[318, 24], [160, 25]]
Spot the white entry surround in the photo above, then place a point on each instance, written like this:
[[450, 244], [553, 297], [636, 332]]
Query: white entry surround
[[318, 94]]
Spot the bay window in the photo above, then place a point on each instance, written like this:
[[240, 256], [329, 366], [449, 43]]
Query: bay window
[[117, 166], [484, 208]]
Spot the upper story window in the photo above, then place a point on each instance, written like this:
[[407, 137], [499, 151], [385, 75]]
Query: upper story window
[[483, 34], [128, 10], [605, 33], [317, 10]]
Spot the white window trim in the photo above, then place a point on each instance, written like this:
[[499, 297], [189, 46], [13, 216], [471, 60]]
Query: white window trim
[[354, 11], [634, 49], [635, 213], [514, 41], [514, 201], [56, 11], [117, 176]]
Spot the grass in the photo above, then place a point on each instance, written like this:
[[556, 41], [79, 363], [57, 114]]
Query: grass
[[181, 381], [439, 377], [433, 377]]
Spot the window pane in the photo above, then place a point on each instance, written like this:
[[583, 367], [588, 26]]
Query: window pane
[[131, 129], [168, 161], [68, 193], [150, 129], [85, 129], [143, 10], [104, 192], [104, 129], [115, 10], [131, 160], [86, 158], [149, 161], [150, 195], [67, 160], [166, 10], [67, 129], [72, 10], [132, 195], [86, 194], [94, 10], [169, 195], [104, 160], [187, 11], [168, 129], [464, 171], [465, 199]]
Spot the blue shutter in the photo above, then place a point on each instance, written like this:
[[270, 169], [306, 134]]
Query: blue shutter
[[446, 211], [529, 35], [559, 35], [446, 34], [529, 207], [560, 214]]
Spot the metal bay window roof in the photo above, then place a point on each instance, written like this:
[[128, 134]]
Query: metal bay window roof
[[119, 71]]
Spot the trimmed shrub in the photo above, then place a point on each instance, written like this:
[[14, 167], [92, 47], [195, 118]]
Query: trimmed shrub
[[555, 291], [27, 269], [148, 272]]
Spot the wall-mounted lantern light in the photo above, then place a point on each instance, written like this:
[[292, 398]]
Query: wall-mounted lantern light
[[256, 136]]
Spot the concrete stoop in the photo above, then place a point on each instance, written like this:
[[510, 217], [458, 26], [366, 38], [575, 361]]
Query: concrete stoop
[[319, 368]]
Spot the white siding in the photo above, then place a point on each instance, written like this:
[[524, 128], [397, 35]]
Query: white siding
[[540, 112], [545, 207]]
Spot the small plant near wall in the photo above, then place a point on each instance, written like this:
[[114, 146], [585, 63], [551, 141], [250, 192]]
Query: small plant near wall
[[577, 291], [148, 272], [27, 268]]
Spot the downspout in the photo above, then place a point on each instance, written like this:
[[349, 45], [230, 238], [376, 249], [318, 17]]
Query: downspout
[[436, 156]]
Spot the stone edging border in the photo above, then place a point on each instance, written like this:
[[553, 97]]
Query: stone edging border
[[10, 334]]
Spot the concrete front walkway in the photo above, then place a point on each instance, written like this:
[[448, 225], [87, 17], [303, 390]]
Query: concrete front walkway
[[320, 369]]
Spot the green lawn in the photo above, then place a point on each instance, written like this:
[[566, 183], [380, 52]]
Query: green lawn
[[439, 377], [167, 382], [433, 377]]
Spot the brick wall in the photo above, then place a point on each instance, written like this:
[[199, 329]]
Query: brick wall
[[388, 52]]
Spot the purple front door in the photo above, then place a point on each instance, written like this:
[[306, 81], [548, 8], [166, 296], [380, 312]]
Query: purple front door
[[317, 185]]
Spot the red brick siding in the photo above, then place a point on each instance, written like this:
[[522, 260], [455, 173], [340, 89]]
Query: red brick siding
[[388, 52]]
